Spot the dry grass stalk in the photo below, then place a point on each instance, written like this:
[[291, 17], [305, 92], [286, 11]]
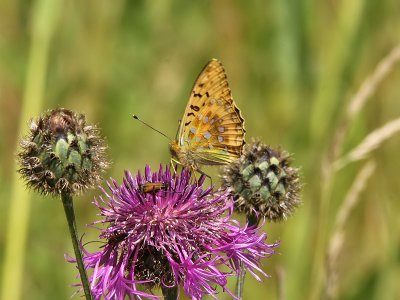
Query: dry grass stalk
[[371, 83], [332, 161], [281, 279], [337, 238], [371, 142], [367, 89]]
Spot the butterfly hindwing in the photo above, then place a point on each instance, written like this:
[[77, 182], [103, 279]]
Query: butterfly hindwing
[[212, 128]]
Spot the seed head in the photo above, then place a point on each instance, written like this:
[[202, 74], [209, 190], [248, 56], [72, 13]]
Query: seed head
[[263, 182], [61, 153]]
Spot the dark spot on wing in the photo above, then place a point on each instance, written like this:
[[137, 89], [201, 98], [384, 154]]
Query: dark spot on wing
[[190, 114], [195, 107], [197, 95], [207, 94], [187, 123]]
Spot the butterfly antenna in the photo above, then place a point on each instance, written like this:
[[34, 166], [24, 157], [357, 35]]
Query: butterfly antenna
[[177, 132], [163, 134]]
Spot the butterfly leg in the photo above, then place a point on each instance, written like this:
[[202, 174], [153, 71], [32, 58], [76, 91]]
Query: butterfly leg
[[193, 171], [205, 174], [172, 164]]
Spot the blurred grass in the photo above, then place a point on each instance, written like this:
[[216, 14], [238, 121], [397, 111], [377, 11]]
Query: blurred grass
[[44, 16], [293, 67]]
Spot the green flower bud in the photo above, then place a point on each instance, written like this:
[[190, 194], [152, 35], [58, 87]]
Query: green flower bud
[[263, 183], [62, 154]]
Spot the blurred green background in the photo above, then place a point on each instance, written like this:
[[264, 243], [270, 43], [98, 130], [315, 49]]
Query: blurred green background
[[293, 67]]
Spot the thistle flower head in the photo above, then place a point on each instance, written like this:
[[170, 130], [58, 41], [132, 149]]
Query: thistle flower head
[[61, 153], [163, 231], [263, 182]]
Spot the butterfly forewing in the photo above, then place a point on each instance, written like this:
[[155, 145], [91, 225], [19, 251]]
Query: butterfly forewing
[[212, 129]]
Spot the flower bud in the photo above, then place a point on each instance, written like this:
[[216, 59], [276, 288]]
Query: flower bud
[[61, 153], [263, 183]]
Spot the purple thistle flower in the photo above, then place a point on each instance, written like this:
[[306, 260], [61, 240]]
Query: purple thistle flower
[[164, 232]]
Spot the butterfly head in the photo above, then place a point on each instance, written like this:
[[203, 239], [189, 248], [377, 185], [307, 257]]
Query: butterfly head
[[174, 149], [177, 152]]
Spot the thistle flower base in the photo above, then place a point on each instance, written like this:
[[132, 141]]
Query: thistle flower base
[[176, 236]]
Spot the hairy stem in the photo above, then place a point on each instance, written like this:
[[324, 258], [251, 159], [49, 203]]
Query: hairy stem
[[70, 215], [170, 293], [240, 281], [252, 220]]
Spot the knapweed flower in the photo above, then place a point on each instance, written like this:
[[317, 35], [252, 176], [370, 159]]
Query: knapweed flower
[[163, 231], [61, 153], [263, 183]]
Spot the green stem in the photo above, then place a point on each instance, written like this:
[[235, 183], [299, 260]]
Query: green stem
[[170, 293], [70, 215], [240, 281], [251, 220]]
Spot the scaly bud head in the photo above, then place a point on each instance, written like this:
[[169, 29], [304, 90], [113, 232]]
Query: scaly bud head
[[263, 182], [61, 153]]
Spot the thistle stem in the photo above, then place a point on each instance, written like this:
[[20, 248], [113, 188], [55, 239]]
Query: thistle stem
[[240, 281], [70, 215], [251, 221], [170, 293]]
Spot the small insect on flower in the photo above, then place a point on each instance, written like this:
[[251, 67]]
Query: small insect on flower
[[153, 187], [183, 236]]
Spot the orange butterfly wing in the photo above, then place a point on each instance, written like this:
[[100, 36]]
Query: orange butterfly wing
[[212, 129]]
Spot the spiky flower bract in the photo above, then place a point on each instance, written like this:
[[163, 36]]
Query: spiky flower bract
[[171, 233], [61, 153], [263, 183]]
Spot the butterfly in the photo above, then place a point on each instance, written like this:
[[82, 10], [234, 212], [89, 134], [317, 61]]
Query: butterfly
[[211, 131]]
